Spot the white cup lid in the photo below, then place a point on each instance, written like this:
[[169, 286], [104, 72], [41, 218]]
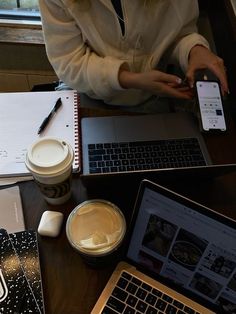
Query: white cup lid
[[48, 154]]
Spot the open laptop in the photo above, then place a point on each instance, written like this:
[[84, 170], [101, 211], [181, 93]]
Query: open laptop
[[180, 257], [145, 144]]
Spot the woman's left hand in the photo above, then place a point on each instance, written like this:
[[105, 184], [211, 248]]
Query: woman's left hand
[[202, 58]]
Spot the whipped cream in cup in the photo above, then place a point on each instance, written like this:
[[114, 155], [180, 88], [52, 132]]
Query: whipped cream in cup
[[49, 160], [96, 229]]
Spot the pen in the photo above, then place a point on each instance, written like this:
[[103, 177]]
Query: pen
[[49, 117]]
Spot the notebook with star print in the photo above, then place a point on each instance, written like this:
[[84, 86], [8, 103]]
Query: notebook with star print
[[16, 295]]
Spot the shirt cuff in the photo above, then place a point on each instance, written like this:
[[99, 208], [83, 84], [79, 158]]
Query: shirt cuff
[[186, 44], [113, 67], [103, 76]]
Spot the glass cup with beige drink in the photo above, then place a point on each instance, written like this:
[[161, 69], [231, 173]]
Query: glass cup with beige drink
[[50, 162], [96, 229]]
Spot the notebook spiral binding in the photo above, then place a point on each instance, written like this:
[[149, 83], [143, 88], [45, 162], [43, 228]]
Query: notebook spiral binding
[[77, 139]]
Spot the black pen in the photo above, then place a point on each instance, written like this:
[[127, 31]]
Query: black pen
[[51, 114]]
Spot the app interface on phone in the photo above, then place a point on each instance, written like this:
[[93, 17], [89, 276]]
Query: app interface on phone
[[210, 105]]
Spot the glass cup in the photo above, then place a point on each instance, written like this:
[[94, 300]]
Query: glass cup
[[50, 162], [96, 229]]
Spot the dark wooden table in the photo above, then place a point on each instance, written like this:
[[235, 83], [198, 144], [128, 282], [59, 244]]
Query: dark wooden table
[[72, 287], [69, 285]]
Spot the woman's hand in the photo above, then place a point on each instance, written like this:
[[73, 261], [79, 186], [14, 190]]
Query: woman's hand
[[202, 58], [156, 82]]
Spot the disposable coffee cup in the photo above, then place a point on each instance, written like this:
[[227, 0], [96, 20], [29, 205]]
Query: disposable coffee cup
[[50, 162], [96, 229]]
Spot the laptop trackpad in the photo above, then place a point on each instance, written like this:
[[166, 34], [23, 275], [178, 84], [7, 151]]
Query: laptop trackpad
[[154, 127], [138, 128]]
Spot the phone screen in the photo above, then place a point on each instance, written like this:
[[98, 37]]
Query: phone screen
[[211, 107]]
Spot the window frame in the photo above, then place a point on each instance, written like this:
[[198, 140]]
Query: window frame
[[20, 16]]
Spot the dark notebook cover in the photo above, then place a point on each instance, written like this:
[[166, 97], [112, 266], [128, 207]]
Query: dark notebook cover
[[16, 295], [26, 246]]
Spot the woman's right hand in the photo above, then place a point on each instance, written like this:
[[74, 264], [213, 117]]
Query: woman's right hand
[[156, 82]]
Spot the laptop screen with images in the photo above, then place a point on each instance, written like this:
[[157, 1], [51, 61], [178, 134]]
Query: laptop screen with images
[[187, 244]]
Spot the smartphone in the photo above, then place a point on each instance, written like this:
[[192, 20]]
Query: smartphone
[[210, 105]]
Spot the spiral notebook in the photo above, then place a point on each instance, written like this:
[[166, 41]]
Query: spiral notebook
[[21, 115], [25, 244], [16, 293]]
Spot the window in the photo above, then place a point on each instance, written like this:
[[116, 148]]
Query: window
[[20, 11]]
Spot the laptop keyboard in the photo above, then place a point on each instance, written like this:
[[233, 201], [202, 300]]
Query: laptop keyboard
[[133, 296], [136, 156]]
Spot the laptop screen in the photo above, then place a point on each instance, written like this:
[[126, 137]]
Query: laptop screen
[[186, 243]]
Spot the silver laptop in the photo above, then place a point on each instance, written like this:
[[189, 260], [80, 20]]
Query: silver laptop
[[147, 141], [146, 145], [179, 257]]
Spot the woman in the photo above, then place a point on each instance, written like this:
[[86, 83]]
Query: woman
[[118, 51]]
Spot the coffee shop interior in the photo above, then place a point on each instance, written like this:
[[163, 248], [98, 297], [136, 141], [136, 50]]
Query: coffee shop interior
[[66, 282]]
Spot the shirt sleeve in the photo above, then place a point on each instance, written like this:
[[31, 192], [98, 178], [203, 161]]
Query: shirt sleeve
[[188, 36], [72, 59]]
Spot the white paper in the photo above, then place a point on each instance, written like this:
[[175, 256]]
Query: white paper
[[14, 180], [21, 114]]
